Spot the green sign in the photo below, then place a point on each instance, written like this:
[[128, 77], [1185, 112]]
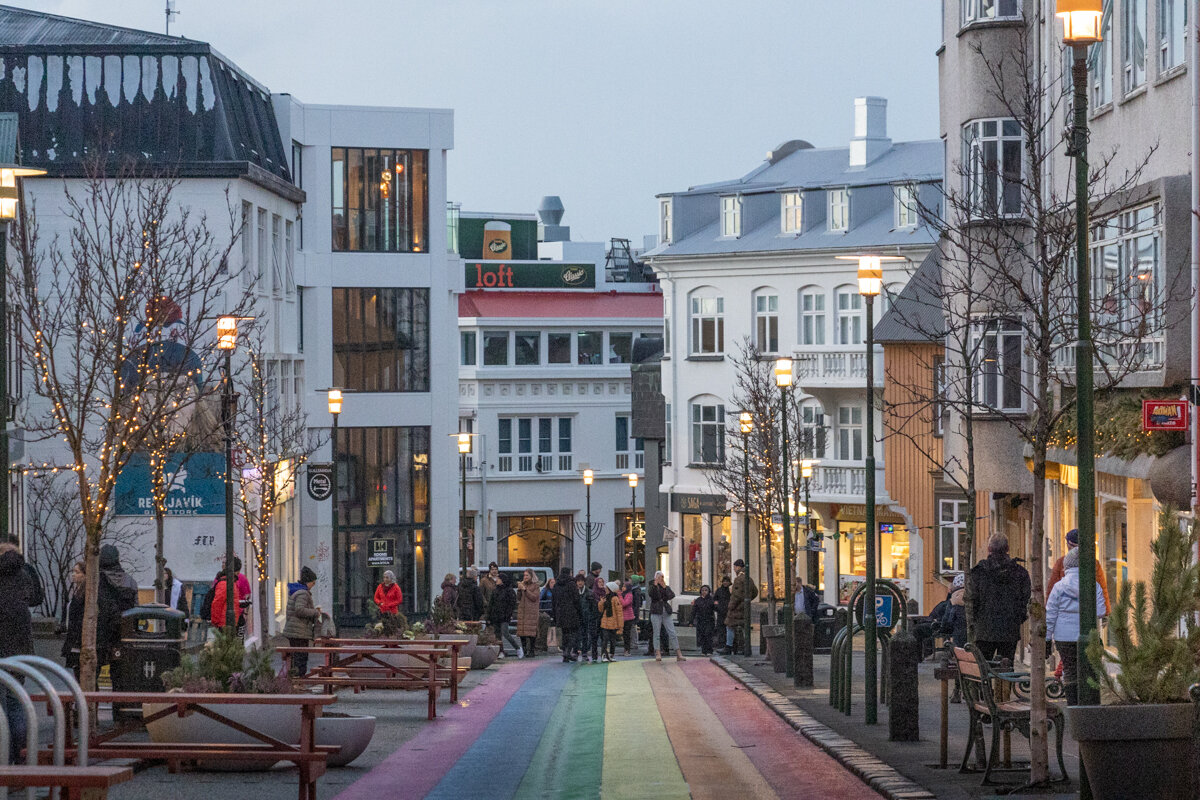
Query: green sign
[[529, 275], [522, 238]]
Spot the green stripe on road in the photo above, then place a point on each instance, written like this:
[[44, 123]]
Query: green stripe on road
[[567, 762], [638, 759]]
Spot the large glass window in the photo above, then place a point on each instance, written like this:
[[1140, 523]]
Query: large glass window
[[998, 352], [766, 323], [952, 536], [693, 553], [381, 339], [534, 541], [380, 200], [589, 347], [708, 434], [812, 317], [1100, 60], [1127, 260], [1133, 41], [495, 348], [708, 325], [850, 433], [553, 452], [1172, 33], [992, 166], [719, 547], [849, 316]]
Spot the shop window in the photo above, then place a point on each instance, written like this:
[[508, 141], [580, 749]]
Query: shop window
[[381, 339], [894, 549], [692, 552], [721, 549], [534, 541], [379, 200]]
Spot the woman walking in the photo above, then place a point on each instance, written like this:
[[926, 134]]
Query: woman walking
[[528, 611], [302, 618], [661, 596], [74, 640], [1062, 622], [704, 618], [612, 619], [627, 620]]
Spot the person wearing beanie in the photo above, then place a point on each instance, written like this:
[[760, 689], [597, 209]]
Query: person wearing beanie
[[740, 596], [1062, 622], [599, 591], [1056, 572], [612, 620], [301, 622]]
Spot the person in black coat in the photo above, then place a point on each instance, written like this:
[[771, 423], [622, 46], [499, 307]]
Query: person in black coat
[[721, 600], [566, 614], [117, 594], [704, 610], [999, 599], [74, 638], [16, 635], [470, 597], [500, 610]]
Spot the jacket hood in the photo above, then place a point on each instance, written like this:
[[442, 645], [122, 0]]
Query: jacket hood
[[110, 557], [296, 586], [448, 584], [11, 563], [1070, 583], [958, 597]]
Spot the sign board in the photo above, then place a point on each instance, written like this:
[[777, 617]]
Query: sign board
[[529, 275], [320, 481], [381, 552], [884, 614], [195, 486], [1164, 415], [699, 503]]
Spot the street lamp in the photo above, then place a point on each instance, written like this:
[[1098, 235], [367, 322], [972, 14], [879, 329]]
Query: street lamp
[[633, 482], [9, 195], [1081, 27], [588, 476], [333, 397], [226, 342], [746, 427], [464, 448], [783, 379], [806, 473]]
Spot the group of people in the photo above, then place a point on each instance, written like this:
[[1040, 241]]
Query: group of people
[[494, 599], [727, 608], [591, 613]]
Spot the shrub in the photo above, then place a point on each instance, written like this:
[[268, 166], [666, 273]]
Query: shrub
[[225, 665]]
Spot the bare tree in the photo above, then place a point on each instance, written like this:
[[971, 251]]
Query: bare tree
[[107, 364]]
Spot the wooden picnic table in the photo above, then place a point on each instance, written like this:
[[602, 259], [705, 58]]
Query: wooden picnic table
[[80, 783], [307, 755], [361, 665]]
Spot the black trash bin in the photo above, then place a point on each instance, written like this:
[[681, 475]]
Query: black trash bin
[[829, 620], [151, 643]]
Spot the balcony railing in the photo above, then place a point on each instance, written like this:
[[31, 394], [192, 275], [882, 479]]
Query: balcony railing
[[844, 483], [1140, 355], [838, 366], [529, 464]]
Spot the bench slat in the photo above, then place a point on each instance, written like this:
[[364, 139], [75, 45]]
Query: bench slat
[[75, 777]]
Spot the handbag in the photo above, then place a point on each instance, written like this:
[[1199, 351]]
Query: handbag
[[325, 627]]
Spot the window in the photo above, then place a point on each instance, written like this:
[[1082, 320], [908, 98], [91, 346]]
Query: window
[[380, 200], [992, 159], [998, 352], [839, 209], [381, 339], [467, 348], [766, 323], [792, 212], [708, 325], [666, 454], [247, 235], [906, 205], [277, 256], [666, 336], [731, 216], [495, 348], [989, 10], [812, 317], [620, 348], [812, 430], [1172, 33], [849, 316], [260, 268], [553, 451], [692, 553], [289, 257], [1100, 61], [850, 433], [298, 181], [1133, 43], [1127, 261], [589, 347], [528, 348], [708, 434], [626, 444], [558, 348], [664, 221], [940, 387], [952, 536]]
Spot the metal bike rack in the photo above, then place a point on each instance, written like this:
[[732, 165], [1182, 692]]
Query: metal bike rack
[[40, 671], [81, 706], [14, 686], [841, 654]]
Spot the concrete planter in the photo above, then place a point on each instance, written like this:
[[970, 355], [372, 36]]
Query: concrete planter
[[351, 733], [1135, 750], [484, 655], [280, 722], [773, 635]]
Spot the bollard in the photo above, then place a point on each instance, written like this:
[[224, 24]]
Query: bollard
[[802, 650], [904, 724], [1195, 695], [762, 640]]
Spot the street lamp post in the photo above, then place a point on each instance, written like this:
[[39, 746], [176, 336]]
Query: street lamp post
[[588, 476], [633, 482], [783, 379], [226, 342], [464, 448], [9, 195], [746, 426], [806, 471], [1081, 28], [334, 400]]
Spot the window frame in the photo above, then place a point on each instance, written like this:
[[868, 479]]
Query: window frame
[[666, 222], [731, 216], [838, 209], [812, 334], [1100, 62], [532, 445], [629, 445], [707, 427], [699, 315], [814, 433], [768, 318], [1133, 74], [855, 314], [956, 525], [1124, 232], [791, 213], [995, 382], [468, 354], [381, 339], [850, 439], [974, 12], [496, 335], [1002, 203], [1172, 39], [395, 221], [904, 196]]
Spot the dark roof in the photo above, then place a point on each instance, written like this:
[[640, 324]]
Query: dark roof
[[916, 314], [87, 92]]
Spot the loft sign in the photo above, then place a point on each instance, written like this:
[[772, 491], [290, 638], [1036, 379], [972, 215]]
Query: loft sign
[[1164, 415], [529, 275]]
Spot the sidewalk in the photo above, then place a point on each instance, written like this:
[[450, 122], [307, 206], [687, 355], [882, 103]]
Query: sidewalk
[[917, 761]]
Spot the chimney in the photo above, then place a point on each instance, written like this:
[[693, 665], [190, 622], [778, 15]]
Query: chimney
[[870, 131], [550, 213]]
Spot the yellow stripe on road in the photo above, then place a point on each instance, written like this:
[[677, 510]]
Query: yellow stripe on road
[[638, 759]]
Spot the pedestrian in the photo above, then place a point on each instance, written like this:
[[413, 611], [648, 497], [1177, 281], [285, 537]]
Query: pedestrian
[[388, 595], [566, 614], [1056, 573], [741, 594], [36, 594], [704, 617], [500, 611], [721, 601], [999, 601], [218, 594], [635, 583], [74, 638], [175, 593], [661, 596], [488, 584], [597, 586], [470, 597], [528, 611], [1062, 622], [628, 623], [805, 599], [16, 638], [952, 621], [612, 619], [302, 615], [450, 593], [117, 594], [546, 606], [589, 618]]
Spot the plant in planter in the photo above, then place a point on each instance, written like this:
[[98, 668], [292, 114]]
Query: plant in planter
[[1140, 746], [387, 626], [487, 648]]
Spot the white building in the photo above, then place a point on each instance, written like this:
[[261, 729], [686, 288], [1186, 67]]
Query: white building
[[757, 257], [546, 340]]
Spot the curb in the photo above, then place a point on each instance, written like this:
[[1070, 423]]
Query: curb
[[875, 773]]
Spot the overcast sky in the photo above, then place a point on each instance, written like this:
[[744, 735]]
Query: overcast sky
[[603, 102]]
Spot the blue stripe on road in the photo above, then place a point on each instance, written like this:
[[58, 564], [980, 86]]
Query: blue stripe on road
[[497, 761]]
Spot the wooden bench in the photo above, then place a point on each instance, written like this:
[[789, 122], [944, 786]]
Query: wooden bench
[[978, 681], [78, 783], [307, 755], [363, 666]]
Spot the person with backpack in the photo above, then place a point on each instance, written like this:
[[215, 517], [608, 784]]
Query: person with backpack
[[612, 619], [302, 616], [116, 595], [740, 596]]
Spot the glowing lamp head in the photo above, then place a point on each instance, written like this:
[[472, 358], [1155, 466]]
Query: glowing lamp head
[[588, 476], [633, 480], [1081, 20], [783, 372], [870, 276], [464, 443], [227, 333], [746, 422], [806, 468], [8, 187], [335, 401]]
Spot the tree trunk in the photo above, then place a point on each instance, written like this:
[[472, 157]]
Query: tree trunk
[[88, 660], [1039, 757], [160, 559], [771, 611]]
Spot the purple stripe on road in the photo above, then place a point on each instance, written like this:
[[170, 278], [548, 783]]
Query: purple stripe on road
[[421, 763]]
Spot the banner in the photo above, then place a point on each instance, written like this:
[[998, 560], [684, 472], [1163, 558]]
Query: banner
[[1164, 415], [196, 486]]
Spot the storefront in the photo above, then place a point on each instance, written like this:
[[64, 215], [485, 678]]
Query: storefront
[[893, 546], [629, 543], [535, 541], [704, 551]]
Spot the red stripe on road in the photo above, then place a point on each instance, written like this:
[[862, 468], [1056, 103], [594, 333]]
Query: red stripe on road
[[792, 765]]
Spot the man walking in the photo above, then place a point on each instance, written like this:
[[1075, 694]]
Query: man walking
[[566, 614], [740, 596], [999, 597], [596, 586]]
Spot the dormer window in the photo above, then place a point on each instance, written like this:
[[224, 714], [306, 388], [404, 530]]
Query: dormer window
[[664, 221], [906, 205], [731, 216], [791, 211], [839, 209]]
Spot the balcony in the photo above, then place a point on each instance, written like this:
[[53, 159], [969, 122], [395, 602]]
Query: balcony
[[835, 366], [529, 464], [844, 482], [1139, 355]]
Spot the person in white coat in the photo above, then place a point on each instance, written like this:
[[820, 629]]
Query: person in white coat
[[1062, 622]]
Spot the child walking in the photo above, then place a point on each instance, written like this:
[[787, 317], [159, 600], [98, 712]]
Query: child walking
[[612, 620]]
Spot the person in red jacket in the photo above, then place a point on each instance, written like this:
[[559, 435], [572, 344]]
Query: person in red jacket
[[388, 595]]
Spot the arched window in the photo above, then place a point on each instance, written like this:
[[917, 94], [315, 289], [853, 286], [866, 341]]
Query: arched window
[[706, 312], [812, 315], [766, 320], [708, 430], [849, 316]]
